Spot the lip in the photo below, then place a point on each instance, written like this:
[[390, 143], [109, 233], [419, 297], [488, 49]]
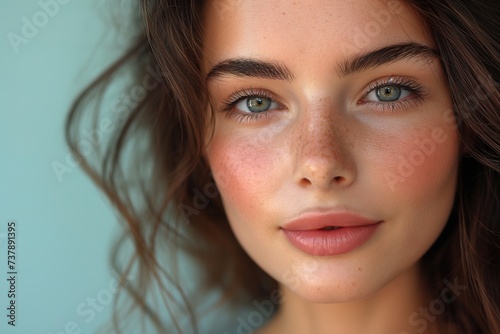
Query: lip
[[350, 231]]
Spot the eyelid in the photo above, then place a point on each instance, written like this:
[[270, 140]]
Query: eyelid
[[401, 81], [242, 94], [231, 112], [418, 92]]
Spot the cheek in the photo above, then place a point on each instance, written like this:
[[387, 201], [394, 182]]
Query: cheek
[[243, 170], [420, 162], [419, 186], [411, 183]]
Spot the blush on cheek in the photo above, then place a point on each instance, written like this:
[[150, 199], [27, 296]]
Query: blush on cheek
[[426, 160], [242, 173]]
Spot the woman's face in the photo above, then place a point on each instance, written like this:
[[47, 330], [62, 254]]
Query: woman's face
[[329, 113]]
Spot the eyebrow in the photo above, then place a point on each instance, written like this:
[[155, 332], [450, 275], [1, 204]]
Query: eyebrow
[[386, 55], [250, 67]]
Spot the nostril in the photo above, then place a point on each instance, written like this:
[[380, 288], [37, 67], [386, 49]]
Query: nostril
[[305, 182], [338, 179]]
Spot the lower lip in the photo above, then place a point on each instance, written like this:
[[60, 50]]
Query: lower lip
[[332, 242]]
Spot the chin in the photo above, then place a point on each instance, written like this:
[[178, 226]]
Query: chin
[[348, 283], [332, 290]]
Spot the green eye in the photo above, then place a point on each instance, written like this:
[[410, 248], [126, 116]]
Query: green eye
[[249, 105], [388, 93], [258, 104]]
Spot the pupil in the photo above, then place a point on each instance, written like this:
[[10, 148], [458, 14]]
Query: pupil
[[389, 93]]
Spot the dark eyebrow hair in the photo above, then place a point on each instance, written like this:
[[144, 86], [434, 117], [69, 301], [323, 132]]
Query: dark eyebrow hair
[[385, 55], [250, 67]]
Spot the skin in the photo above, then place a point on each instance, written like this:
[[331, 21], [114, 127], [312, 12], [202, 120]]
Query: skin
[[328, 145]]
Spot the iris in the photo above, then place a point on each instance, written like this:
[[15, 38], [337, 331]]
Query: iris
[[258, 104], [388, 93]]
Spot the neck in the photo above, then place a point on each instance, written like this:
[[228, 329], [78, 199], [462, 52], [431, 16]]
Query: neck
[[386, 311]]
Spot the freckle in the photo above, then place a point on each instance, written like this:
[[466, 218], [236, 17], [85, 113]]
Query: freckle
[[353, 284], [283, 13], [359, 269]]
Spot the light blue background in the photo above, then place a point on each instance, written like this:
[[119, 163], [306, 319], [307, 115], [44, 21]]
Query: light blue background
[[65, 227]]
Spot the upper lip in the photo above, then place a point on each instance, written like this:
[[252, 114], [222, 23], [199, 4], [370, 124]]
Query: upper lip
[[319, 220]]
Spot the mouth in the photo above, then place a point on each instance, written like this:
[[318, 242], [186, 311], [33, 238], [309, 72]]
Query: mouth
[[327, 234], [330, 228]]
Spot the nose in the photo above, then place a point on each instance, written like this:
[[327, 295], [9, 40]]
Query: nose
[[324, 151]]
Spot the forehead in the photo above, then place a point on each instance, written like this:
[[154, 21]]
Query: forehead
[[301, 31]]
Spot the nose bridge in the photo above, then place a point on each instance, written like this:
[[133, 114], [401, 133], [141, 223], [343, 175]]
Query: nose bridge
[[320, 134], [321, 152]]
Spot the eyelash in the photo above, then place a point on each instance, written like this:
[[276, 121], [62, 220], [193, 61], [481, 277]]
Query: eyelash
[[416, 90], [230, 103]]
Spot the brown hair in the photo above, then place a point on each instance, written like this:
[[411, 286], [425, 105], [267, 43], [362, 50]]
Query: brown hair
[[167, 198]]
